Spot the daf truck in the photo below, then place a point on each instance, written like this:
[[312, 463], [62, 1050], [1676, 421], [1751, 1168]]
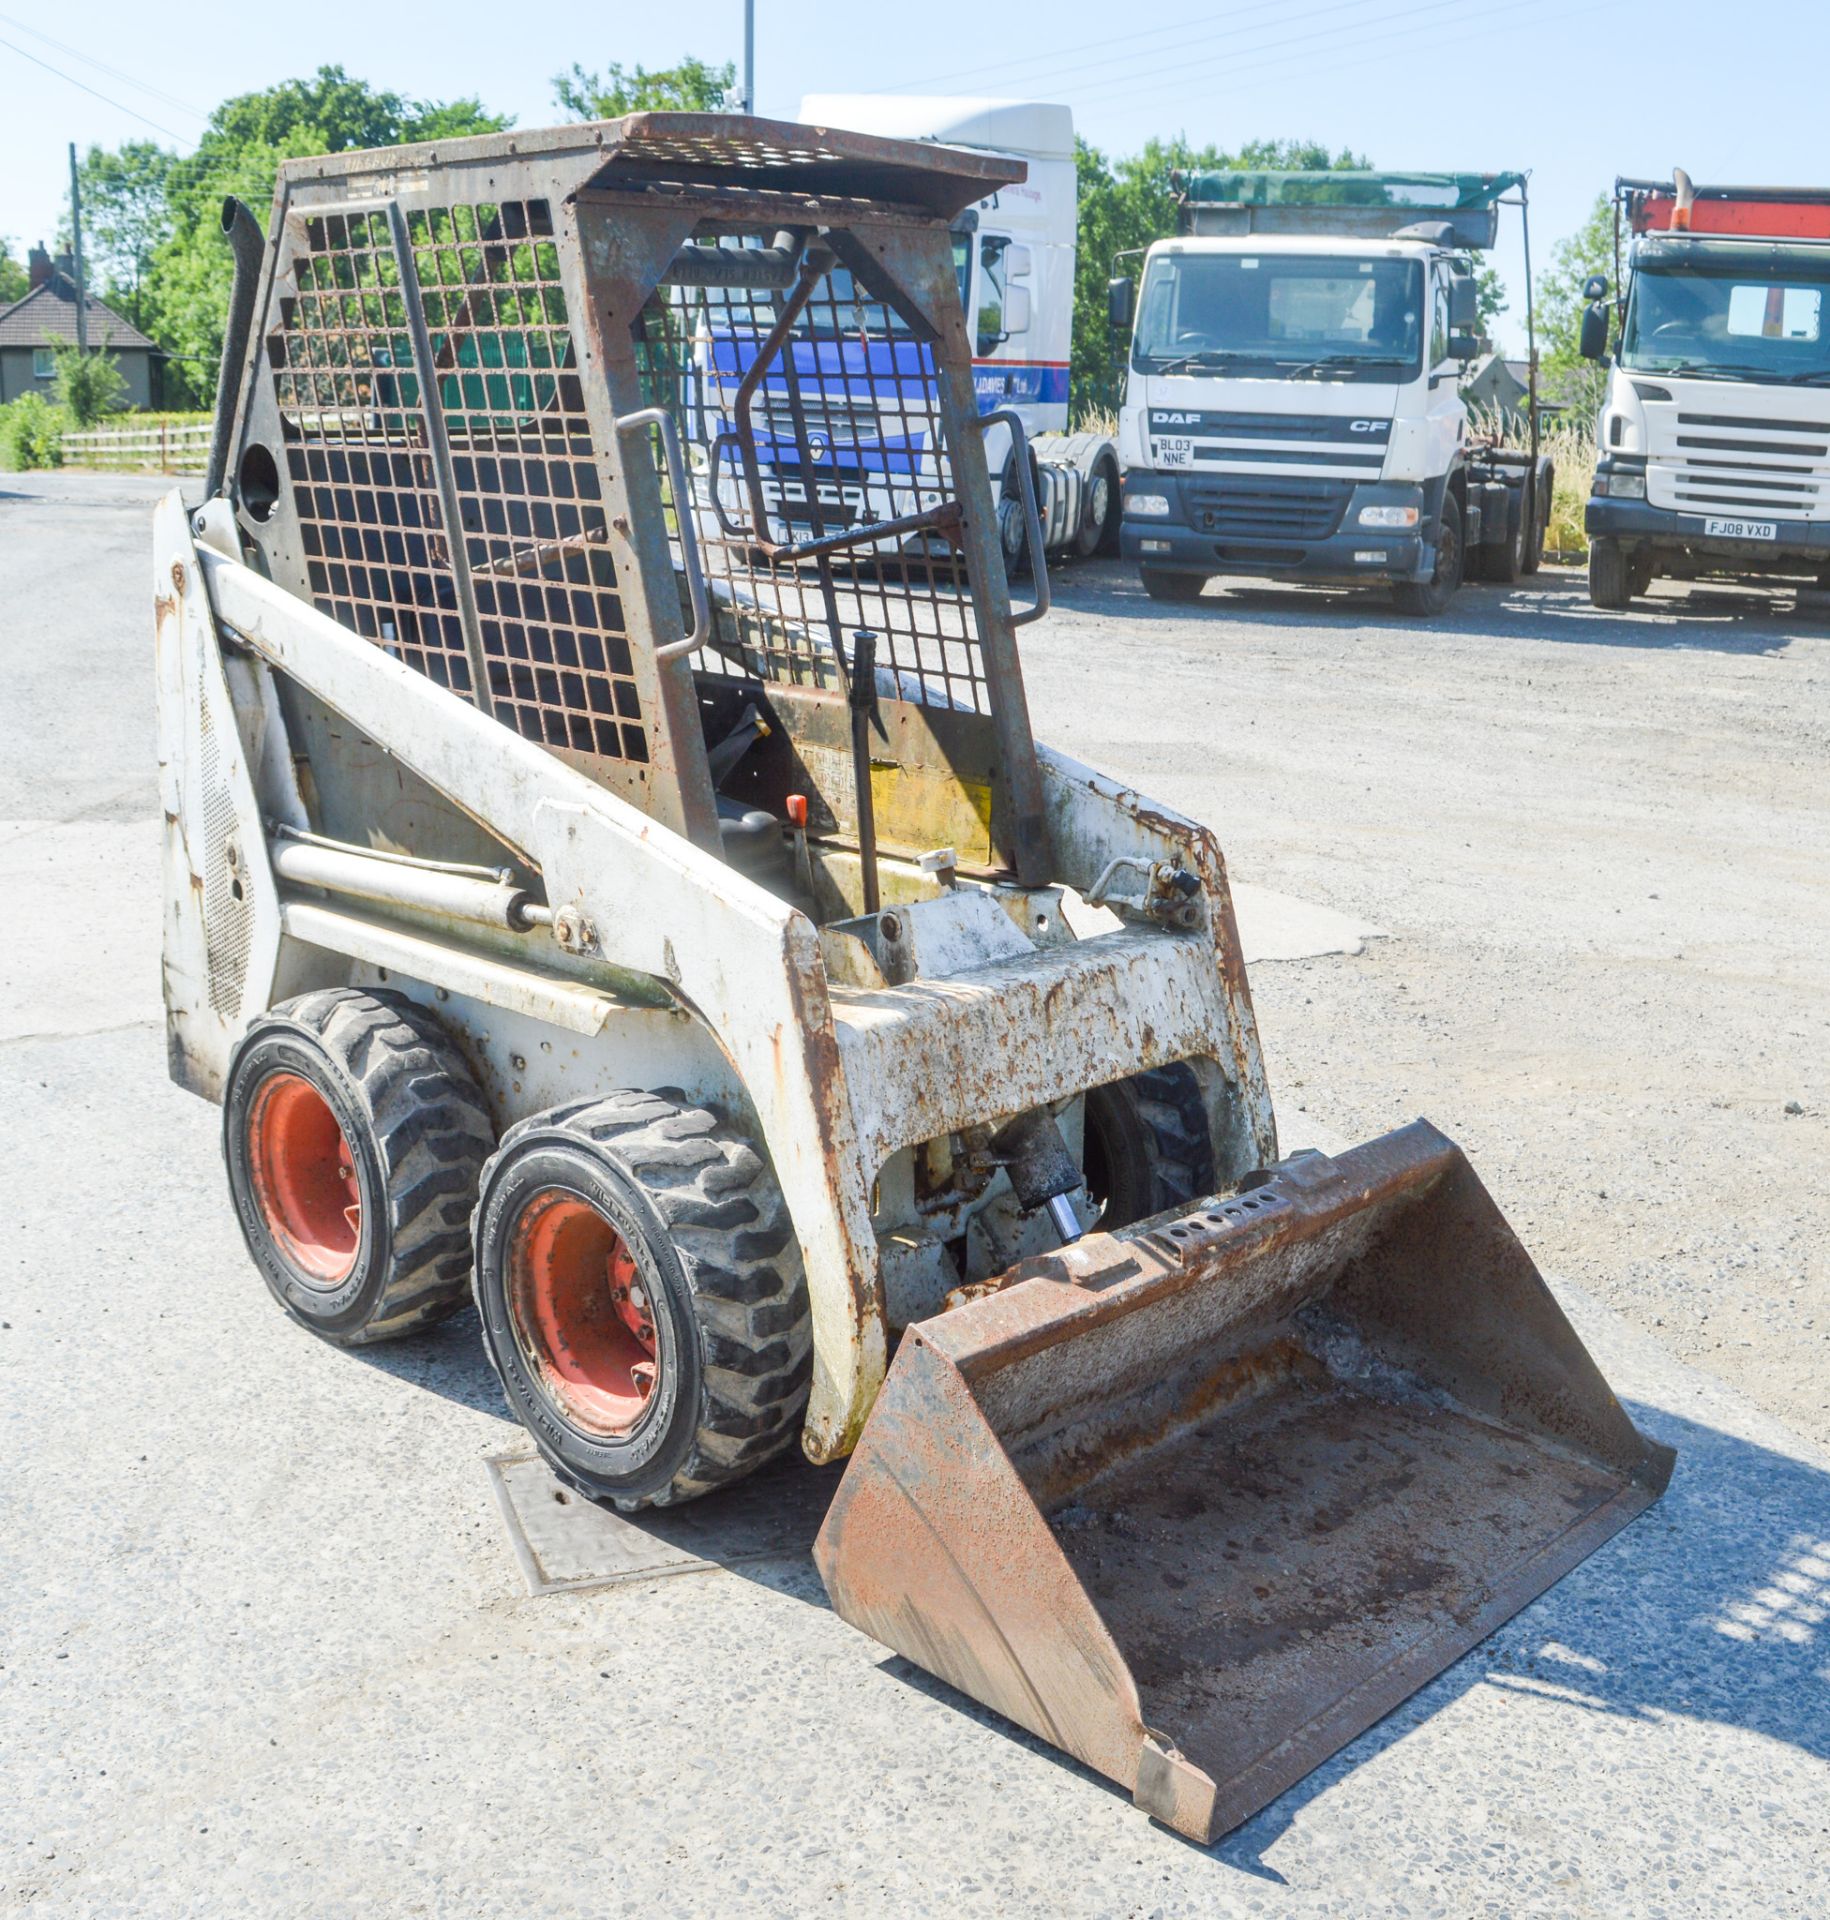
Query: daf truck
[[1714, 433], [1293, 406]]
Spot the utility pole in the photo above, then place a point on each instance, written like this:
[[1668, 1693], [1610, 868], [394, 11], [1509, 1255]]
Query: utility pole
[[749, 56], [76, 256]]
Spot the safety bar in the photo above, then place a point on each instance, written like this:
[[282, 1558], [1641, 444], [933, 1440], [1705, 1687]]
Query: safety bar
[[690, 556], [1032, 515]]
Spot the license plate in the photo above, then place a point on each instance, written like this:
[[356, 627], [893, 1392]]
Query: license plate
[[1740, 529], [1177, 452]]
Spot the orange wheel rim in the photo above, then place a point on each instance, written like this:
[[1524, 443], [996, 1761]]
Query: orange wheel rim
[[582, 1313], [305, 1179]]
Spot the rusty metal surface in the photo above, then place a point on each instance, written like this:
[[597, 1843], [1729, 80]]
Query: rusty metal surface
[[1200, 1501]]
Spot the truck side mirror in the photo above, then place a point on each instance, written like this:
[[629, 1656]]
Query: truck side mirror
[[1464, 346], [1592, 343], [1464, 303], [1016, 310], [1595, 287], [1121, 303]]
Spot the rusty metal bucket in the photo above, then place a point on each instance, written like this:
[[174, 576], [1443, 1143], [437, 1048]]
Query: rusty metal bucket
[[1200, 1501]]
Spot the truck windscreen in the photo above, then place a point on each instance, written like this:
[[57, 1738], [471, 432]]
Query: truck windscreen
[[1281, 316], [1736, 321]]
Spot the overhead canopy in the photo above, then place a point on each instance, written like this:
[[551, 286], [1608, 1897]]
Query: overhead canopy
[[1227, 200]]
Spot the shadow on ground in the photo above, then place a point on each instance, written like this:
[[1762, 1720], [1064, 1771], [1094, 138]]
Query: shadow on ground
[[1552, 605], [1714, 1605]]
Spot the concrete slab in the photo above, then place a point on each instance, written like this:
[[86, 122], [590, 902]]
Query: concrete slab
[[1278, 926]]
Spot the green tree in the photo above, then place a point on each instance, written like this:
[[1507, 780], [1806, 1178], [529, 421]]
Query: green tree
[[188, 280], [15, 282], [1566, 376], [694, 86], [1124, 206], [87, 385], [126, 217]]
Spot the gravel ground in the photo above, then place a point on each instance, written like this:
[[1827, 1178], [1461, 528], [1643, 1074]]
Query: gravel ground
[[264, 1648], [1601, 844]]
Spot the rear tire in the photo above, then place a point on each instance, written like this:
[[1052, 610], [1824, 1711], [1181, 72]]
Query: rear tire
[[1502, 565], [1099, 512], [1542, 496], [1425, 599], [353, 1133], [1147, 1146], [1180, 588], [642, 1297], [1610, 576]]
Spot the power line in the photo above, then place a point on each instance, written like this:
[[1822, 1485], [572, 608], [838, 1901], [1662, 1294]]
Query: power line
[[1406, 34], [1048, 73], [95, 92], [102, 66]]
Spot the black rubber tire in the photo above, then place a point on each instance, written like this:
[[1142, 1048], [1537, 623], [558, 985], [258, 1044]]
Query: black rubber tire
[[1641, 572], [1610, 575], [1533, 557], [698, 1207], [1181, 588], [1502, 565], [1424, 599], [1101, 510], [416, 1126], [1147, 1146]]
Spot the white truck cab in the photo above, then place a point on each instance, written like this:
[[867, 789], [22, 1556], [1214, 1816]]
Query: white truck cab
[[1714, 434], [1293, 404], [1014, 253]]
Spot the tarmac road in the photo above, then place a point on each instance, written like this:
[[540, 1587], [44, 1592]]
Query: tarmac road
[[264, 1645]]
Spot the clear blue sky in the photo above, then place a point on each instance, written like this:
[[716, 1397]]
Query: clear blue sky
[[1576, 90]]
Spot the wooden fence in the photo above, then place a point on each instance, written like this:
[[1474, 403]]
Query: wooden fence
[[151, 447]]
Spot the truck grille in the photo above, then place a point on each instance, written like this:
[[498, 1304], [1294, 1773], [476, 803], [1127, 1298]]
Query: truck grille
[[1730, 462], [1265, 507]]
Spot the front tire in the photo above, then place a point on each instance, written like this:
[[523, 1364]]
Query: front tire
[[642, 1297], [1182, 589], [353, 1134], [1611, 576], [1427, 598]]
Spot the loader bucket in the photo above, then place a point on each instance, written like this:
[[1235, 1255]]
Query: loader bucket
[[1200, 1501]]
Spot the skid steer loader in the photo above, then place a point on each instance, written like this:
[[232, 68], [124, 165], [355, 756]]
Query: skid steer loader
[[609, 875]]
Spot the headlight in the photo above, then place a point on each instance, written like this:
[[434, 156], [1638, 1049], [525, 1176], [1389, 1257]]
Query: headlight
[[1388, 516], [1156, 505], [1620, 485]]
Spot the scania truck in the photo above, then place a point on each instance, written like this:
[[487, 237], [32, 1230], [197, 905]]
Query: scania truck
[[1293, 405], [1714, 434]]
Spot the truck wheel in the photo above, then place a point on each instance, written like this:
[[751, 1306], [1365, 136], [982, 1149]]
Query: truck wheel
[[1099, 510], [1610, 576], [642, 1297], [354, 1133], [1640, 575], [1540, 531], [1179, 587], [1147, 1146], [1502, 565], [1428, 597]]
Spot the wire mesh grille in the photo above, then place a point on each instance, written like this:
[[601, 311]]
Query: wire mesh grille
[[526, 475], [524, 467], [848, 433], [358, 452]]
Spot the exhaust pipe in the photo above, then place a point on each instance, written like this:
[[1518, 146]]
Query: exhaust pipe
[[249, 245]]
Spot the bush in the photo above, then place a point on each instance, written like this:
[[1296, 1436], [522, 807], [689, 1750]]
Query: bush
[[89, 386], [32, 433]]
